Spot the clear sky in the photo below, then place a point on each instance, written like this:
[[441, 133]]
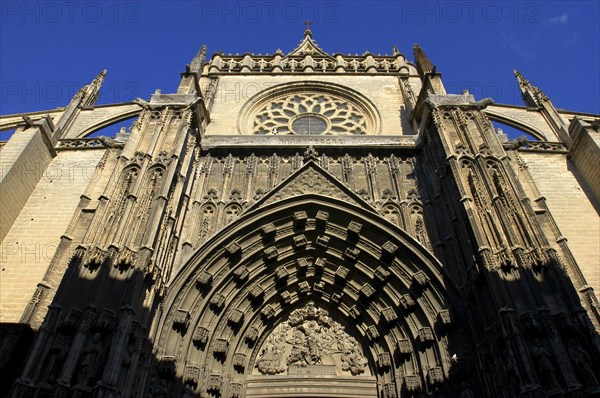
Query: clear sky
[[51, 48]]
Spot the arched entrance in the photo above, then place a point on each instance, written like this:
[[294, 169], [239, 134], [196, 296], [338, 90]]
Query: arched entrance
[[372, 292]]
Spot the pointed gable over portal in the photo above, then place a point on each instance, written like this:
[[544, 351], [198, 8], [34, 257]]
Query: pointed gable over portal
[[311, 179]]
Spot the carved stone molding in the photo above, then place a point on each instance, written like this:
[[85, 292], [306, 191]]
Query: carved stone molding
[[241, 273], [191, 375], [420, 278], [181, 319], [236, 317], [204, 280], [404, 346], [88, 143], [215, 382], [201, 335], [382, 274], [412, 383], [426, 335], [384, 360]]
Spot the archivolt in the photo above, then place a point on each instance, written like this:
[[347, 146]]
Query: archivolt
[[371, 276]]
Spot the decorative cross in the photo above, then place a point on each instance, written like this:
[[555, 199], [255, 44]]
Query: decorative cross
[[308, 23]]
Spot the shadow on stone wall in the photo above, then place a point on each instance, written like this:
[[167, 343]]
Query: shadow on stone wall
[[526, 333], [15, 341], [93, 341], [515, 332]]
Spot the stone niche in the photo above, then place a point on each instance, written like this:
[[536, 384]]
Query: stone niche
[[310, 343]]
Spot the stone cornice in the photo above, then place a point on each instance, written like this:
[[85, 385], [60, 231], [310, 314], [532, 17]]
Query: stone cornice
[[311, 63], [287, 141]]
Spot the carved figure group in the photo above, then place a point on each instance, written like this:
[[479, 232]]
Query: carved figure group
[[310, 337]]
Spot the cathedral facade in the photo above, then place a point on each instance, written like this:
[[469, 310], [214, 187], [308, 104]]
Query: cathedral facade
[[301, 225]]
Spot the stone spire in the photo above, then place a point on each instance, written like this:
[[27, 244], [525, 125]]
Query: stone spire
[[90, 93], [532, 95], [199, 60]]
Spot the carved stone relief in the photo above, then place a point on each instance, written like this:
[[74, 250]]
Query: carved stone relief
[[310, 182], [310, 342]]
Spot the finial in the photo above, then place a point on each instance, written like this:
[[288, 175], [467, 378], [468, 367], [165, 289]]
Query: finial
[[89, 93], [395, 50], [520, 78], [98, 80], [311, 153], [307, 32], [531, 94]]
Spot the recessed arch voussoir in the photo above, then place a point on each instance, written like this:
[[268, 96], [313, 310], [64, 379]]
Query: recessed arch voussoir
[[248, 278]]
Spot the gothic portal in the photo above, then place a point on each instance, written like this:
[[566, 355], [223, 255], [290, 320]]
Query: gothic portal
[[301, 225]]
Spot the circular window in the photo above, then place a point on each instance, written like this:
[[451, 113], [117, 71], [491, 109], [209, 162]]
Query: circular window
[[309, 108], [310, 113], [309, 124]]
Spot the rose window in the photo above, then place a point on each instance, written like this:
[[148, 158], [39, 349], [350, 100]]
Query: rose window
[[309, 114]]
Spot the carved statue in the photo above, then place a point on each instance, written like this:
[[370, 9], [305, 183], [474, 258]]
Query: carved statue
[[126, 364], [466, 391], [424, 65], [110, 142], [582, 364], [516, 143], [89, 360], [410, 94], [311, 330], [161, 390], [544, 367], [484, 103], [269, 361], [353, 361], [510, 363], [53, 364]]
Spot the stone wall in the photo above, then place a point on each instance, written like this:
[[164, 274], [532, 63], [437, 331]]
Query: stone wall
[[234, 91], [24, 159], [585, 154], [571, 208], [32, 241]]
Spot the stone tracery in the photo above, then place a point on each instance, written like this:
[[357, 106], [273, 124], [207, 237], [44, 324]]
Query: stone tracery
[[309, 113], [309, 108]]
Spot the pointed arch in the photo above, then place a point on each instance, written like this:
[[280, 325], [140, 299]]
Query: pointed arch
[[204, 223], [231, 212], [392, 212], [249, 277]]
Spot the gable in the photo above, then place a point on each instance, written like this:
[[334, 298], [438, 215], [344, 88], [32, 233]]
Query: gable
[[311, 179]]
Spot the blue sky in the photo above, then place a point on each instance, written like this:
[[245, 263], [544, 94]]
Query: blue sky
[[51, 48]]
